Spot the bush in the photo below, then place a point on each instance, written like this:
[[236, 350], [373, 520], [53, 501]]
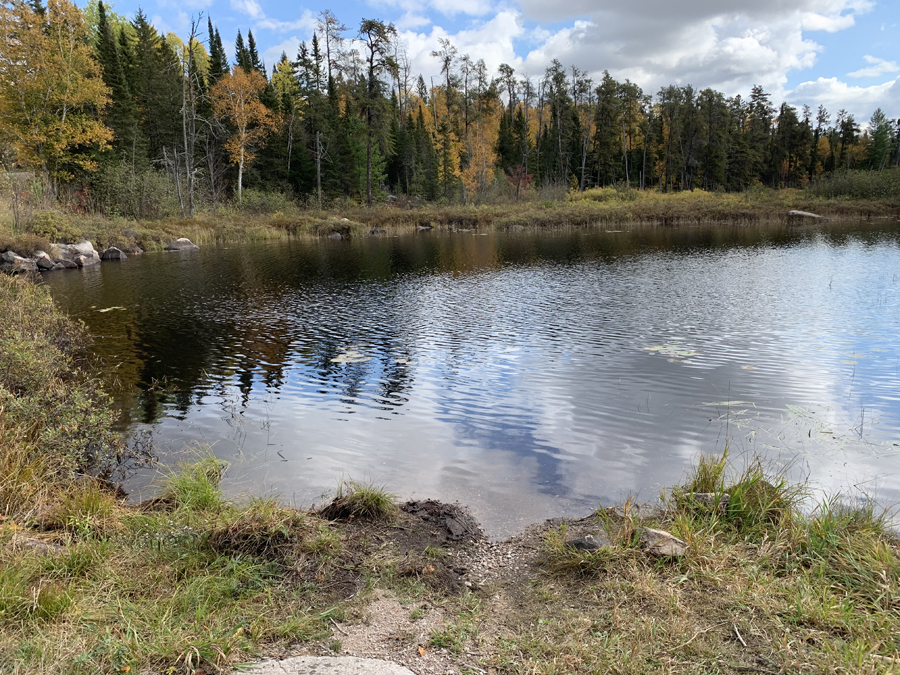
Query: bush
[[261, 201], [118, 190], [859, 184]]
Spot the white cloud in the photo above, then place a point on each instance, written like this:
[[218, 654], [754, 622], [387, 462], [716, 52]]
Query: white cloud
[[877, 67], [445, 7], [861, 101], [254, 10], [489, 40], [272, 55]]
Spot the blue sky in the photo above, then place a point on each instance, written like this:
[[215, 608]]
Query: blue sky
[[840, 53]]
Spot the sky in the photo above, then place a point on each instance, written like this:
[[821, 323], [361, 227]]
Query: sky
[[839, 53]]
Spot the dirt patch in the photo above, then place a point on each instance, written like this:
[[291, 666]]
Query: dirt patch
[[444, 524]]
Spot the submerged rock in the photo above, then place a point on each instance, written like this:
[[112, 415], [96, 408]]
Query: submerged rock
[[113, 253], [661, 544], [182, 244]]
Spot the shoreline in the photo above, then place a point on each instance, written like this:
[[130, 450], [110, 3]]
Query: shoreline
[[650, 209]]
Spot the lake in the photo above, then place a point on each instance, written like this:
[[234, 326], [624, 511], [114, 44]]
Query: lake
[[526, 375]]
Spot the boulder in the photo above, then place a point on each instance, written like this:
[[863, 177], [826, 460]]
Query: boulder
[[661, 544], [81, 254], [589, 542], [58, 266], [425, 227], [66, 264], [45, 263], [182, 244], [336, 236], [13, 263], [113, 253]]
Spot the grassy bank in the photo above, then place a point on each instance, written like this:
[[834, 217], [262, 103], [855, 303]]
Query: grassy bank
[[279, 217], [191, 582]]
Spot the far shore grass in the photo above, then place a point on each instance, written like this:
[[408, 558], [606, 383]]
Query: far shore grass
[[278, 217], [192, 582]]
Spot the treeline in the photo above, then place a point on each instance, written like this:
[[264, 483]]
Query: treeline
[[125, 120]]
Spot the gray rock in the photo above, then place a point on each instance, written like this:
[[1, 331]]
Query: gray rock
[[336, 236], [13, 263], [425, 227], [66, 264], [58, 266], [84, 247], [711, 500], [589, 542], [113, 253], [82, 253], [517, 228], [327, 665], [87, 259], [661, 544], [182, 244], [45, 263]]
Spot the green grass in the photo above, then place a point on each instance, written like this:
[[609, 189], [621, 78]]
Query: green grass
[[360, 500]]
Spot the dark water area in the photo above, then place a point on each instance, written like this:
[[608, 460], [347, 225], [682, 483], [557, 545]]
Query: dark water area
[[527, 375]]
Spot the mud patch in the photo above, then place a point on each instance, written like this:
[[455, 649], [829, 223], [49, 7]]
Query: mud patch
[[444, 523]]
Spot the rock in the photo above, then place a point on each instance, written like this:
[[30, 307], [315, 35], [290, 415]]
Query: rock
[[425, 227], [66, 264], [81, 254], [711, 500], [58, 266], [113, 253], [83, 247], [327, 665], [345, 220], [661, 544], [336, 236], [378, 230], [45, 263], [589, 542], [517, 228], [182, 244], [86, 260], [13, 263], [804, 215]]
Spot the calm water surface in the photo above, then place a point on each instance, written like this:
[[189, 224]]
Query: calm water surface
[[526, 375]]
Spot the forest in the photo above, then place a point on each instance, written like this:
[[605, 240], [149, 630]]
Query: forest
[[105, 115]]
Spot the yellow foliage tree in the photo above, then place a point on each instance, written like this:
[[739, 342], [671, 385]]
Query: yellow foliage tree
[[236, 99], [51, 89]]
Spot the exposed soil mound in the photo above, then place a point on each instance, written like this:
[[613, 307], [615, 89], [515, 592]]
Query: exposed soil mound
[[446, 522]]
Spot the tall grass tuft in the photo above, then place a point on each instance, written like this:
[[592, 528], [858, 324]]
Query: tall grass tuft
[[358, 500]]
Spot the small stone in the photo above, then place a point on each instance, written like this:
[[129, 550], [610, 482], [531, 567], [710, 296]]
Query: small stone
[[113, 253], [182, 244], [589, 542], [712, 500], [661, 544]]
